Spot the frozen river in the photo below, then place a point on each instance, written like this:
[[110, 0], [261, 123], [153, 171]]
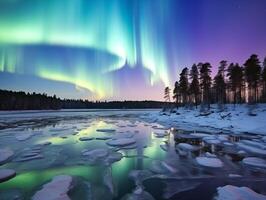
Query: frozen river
[[121, 155]]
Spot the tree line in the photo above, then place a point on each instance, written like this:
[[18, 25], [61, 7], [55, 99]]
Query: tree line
[[233, 83], [11, 100]]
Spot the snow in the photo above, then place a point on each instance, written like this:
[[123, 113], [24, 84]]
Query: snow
[[209, 162], [230, 192], [187, 147], [254, 144], [56, 189], [121, 142], [5, 154], [251, 149], [238, 121], [255, 162], [6, 174]]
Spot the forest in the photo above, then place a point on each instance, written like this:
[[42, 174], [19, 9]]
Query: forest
[[11, 100], [233, 83]]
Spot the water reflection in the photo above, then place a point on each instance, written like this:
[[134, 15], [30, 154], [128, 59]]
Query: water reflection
[[156, 153]]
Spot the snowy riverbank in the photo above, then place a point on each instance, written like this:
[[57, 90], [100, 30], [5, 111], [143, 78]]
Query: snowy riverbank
[[233, 119]]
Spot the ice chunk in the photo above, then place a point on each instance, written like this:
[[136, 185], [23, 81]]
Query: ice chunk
[[187, 147], [56, 189], [200, 135], [230, 192], [234, 175], [209, 162], [252, 149], [211, 140], [121, 142], [255, 162], [95, 153], [6, 174], [5, 154], [161, 134], [86, 138], [254, 144], [103, 138], [210, 155], [106, 130]]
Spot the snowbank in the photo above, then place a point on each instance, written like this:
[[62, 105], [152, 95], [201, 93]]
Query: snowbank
[[234, 119]]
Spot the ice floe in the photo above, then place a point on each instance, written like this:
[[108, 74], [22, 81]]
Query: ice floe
[[56, 189], [187, 147], [161, 134], [209, 162], [230, 192], [6, 174], [121, 142], [255, 162], [5, 154], [86, 138], [106, 130], [251, 149]]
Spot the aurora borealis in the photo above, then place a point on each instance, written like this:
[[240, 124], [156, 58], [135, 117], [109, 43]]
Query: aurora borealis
[[121, 49]]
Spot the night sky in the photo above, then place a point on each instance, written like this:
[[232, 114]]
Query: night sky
[[121, 49]]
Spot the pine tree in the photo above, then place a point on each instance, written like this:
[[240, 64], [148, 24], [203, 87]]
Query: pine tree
[[183, 85], [219, 85], [194, 86], [176, 93], [252, 74], [205, 83], [263, 79], [167, 94]]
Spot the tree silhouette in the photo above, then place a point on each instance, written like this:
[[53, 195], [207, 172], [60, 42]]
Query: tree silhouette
[[252, 74], [176, 94], [194, 86], [205, 83], [183, 85], [235, 76], [220, 86], [263, 79], [167, 94]]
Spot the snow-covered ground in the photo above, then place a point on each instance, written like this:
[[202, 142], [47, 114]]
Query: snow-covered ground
[[233, 119]]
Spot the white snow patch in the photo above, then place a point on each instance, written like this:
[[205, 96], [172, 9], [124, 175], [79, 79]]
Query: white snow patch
[[251, 149], [255, 162], [209, 162], [230, 192], [187, 147]]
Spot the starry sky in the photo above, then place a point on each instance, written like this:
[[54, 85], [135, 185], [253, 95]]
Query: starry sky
[[121, 49]]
